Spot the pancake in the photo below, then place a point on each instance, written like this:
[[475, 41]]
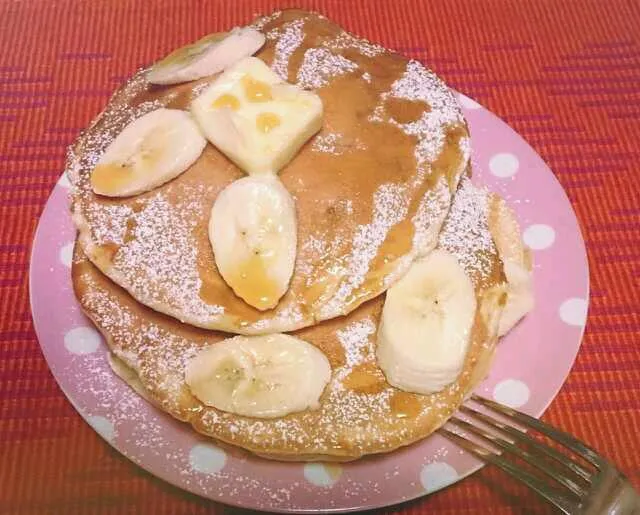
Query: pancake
[[371, 189], [360, 413]]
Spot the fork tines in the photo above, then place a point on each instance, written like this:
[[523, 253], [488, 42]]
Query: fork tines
[[494, 437]]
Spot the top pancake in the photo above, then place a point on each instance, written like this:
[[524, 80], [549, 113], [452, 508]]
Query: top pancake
[[372, 188]]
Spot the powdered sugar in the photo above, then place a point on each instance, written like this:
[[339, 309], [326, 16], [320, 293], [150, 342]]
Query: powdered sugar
[[198, 89], [260, 22], [319, 65], [113, 316], [430, 216], [344, 40], [419, 83], [466, 231], [464, 145], [289, 38], [335, 143], [132, 338], [121, 404], [356, 341], [163, 251], [316, 246], [109, 222], [390, 205], [326, 143]]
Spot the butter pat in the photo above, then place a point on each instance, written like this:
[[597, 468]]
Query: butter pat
[[254, 118]]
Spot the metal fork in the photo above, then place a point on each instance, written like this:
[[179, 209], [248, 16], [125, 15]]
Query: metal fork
[[588, 485]]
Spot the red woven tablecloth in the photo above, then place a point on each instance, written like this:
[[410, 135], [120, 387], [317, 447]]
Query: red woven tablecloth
[[564, 74]]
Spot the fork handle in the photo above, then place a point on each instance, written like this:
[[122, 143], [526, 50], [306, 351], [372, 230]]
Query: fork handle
[[620, 499], [627, 501]]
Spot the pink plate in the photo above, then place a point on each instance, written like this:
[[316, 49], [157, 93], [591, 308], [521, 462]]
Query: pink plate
[[531, 363]]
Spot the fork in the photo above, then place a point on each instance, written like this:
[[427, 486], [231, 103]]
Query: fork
[[590, 485]]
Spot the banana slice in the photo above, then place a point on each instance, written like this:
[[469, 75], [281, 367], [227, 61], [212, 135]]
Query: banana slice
[[253, 233], [207, 56], [426, 323], [150, 151], [520, 300], [517, 261], [259, 376], [254, 118]]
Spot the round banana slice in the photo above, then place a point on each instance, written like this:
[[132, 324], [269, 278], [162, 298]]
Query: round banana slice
[[150, 151], [207, 56], [259, 376], [253, 233], [426, 324]]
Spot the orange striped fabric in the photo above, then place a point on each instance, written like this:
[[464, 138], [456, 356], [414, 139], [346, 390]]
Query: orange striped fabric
[[564, 74]]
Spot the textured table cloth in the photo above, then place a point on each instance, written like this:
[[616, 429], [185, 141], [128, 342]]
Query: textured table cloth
[[565, 75]]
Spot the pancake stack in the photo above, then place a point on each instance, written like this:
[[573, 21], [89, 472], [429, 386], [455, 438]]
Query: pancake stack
[[280, 241]]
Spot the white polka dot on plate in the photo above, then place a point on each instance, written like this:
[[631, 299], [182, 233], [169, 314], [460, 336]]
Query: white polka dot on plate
[[64, 181], [322, 474], [511, 392], [504, 165], [435, 476], [573, 311], [207, 458], [66, 254], [103, 426], [468, 103], [539, 236], [82, 340]]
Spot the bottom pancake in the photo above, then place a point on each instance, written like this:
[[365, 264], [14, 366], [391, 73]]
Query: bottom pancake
[[359, 413]]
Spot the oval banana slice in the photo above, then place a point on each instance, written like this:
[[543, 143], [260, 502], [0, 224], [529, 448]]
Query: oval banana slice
[[207, 56], [426, 324], [520, 298], [253, 233], [517, 260], [259, 376], [150, 151]]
